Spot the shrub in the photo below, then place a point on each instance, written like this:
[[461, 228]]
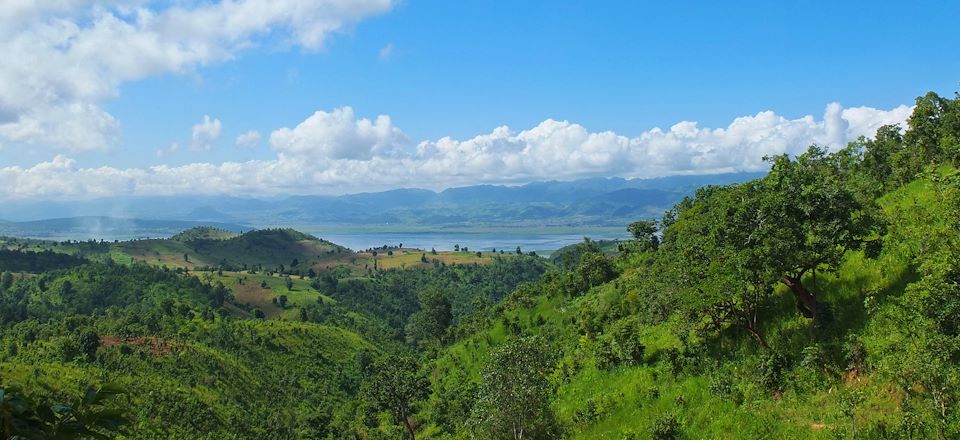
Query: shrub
[[855, 353], [621, 345], [665, 427], [771, 371], [721, 385]]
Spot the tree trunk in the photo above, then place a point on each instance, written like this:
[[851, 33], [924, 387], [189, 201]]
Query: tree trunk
[[806, 300], [406, 422], [758, 336]]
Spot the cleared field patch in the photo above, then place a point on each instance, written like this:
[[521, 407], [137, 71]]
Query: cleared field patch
[[159, 253], [407, 259], [258, 290]]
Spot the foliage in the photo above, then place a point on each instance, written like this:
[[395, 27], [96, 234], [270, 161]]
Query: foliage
[[89, 416], [514, 396], [35, 262], [397, 383], [690, 329], [433, 318]]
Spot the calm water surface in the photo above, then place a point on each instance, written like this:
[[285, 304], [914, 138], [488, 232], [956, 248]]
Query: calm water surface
[[481, 241]]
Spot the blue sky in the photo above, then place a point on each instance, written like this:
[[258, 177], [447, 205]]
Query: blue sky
[[460, 69]]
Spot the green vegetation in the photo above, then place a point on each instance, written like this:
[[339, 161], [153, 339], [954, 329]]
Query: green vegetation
[[31, 261], [217, 352], [818, 301], [204, 233]]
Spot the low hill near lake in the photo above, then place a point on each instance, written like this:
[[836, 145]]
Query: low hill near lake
[[210, 247]]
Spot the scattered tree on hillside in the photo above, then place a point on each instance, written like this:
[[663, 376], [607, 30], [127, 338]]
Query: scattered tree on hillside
[[730, 245], [593, 270], [395, 386], [808, 218], [434, 317], [708, 258], [282, 301], [645, 232], [514, 398]]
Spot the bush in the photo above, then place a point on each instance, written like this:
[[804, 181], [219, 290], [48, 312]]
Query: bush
[[771, 371], [855, 353], [721, 385], [666, 427], [620, 345], [813, 357]]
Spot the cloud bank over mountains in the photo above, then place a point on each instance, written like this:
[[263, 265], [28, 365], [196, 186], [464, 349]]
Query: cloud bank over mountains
[[334, 152], [73, 55]]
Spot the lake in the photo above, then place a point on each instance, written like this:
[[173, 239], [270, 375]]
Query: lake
[[543, 240], [527, 239]]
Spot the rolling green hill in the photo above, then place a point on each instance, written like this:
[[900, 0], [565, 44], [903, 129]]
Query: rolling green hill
[[204, 247], [219, 353]]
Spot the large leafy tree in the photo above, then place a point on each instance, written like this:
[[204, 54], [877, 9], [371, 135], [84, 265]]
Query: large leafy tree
[[514, 398], [729, 246], [396, 385], [710, 256], [935, 129], [807, 218]]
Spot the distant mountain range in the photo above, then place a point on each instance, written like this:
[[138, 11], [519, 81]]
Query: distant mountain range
[[585, 202], [99, 226]]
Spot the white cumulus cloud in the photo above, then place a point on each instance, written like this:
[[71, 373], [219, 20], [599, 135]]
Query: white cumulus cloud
[[249, 140], [338, 135], [64, 58], [337, 152], [205, 133]]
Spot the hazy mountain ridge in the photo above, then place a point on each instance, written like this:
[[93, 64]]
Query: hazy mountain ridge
[[99, 226], [587, 202]]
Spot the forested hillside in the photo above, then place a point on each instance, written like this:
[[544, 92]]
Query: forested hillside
[[818, 301]]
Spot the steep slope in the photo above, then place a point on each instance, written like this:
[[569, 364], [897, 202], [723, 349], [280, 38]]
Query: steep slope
[[630, 366]]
